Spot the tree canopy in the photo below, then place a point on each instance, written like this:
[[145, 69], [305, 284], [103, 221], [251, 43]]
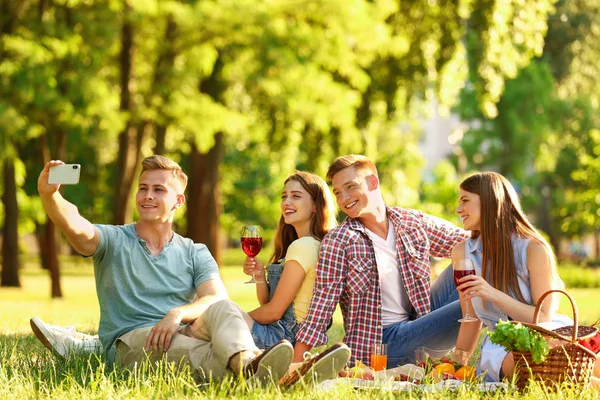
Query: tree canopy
[[242, 93]]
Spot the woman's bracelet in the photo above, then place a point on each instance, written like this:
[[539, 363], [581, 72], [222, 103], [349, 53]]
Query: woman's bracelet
[[463, 354]]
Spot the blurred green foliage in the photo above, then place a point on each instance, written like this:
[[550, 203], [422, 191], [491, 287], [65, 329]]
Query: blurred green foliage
[[291, 85], [579, 277], [544, 135]]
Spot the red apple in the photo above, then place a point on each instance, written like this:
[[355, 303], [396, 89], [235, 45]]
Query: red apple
[[368, 376]]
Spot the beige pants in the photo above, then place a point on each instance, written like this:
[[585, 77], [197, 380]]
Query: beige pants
[[218, 334]]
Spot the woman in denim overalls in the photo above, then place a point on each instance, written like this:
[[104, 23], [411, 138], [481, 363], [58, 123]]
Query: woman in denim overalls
[[502, 288], [307, 214]]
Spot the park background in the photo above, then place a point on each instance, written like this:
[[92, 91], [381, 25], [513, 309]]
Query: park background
[[243, 92]]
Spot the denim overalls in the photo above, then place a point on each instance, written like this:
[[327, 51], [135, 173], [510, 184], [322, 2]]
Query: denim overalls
[[286, 328]]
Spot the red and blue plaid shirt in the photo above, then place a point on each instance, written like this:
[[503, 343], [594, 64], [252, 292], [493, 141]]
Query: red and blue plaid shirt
[[347, 274]]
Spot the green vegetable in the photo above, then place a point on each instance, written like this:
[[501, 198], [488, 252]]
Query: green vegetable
[[518, 337]]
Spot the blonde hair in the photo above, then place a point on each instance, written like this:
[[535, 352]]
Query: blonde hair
[[158, 162], [353, 160]]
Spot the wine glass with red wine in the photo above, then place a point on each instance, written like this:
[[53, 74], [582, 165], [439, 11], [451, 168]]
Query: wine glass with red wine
[[461, 269], [252, 243]]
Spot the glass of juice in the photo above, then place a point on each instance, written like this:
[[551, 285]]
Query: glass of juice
[[379, 357]]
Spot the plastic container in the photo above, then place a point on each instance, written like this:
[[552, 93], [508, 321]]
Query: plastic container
[[422, 353]]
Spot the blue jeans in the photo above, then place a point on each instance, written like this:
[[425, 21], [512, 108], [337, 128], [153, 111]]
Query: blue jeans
[[436, 330], [286, 328]]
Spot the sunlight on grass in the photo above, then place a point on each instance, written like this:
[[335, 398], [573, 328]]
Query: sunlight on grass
[[28, 370], [79, 305]]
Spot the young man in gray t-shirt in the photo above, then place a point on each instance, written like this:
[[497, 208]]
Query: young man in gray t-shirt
[[152, 284]]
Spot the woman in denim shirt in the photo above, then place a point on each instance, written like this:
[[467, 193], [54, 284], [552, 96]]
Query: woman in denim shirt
[[507, 252], [307, 214]]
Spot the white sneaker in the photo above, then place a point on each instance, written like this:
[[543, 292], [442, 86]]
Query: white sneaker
[[64, 340]]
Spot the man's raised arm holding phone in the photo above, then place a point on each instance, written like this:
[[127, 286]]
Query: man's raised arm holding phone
[[153, 284], [80, 232]]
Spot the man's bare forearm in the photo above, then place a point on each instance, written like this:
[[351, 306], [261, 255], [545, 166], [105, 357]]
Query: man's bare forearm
[[65, 215], [190, 312], [207, 293]]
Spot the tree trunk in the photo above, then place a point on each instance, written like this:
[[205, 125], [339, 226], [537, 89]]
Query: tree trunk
[[7, 9], [160, 135], [39, 235], [49, 238], [162, 72], [52, 256], [128, 156], [10, 241], [204, 197], [127, 164]]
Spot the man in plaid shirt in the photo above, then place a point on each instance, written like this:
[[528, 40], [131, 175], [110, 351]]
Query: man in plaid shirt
[[376, 266]]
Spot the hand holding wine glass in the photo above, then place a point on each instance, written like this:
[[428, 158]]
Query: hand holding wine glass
[[464, 268], [254, 267], [252, 243]]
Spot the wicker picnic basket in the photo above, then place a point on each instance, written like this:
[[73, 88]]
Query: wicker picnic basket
[[568, 361]]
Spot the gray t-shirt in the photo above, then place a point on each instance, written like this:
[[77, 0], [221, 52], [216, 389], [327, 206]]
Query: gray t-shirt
[[136, 289]]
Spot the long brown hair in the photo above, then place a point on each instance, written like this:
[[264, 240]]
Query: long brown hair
[[322, 220], [501, 217]]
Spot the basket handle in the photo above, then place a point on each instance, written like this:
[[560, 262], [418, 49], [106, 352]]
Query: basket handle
[[538, 306]]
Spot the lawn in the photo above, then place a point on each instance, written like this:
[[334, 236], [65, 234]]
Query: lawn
[[28, 370]]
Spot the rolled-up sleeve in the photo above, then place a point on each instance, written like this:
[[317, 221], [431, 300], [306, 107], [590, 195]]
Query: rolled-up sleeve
[[443, 235], [326, 294]]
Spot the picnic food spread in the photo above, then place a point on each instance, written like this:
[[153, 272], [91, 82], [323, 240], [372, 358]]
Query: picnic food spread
[[446, 368], [431, 375], [428, 371], [410, 377]]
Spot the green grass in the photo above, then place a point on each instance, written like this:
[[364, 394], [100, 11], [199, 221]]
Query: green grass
[[28, 370], [580, 277]]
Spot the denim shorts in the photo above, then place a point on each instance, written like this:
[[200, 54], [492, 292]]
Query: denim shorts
[[286, 328]]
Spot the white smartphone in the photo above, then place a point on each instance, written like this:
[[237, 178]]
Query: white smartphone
[[65, 174]]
